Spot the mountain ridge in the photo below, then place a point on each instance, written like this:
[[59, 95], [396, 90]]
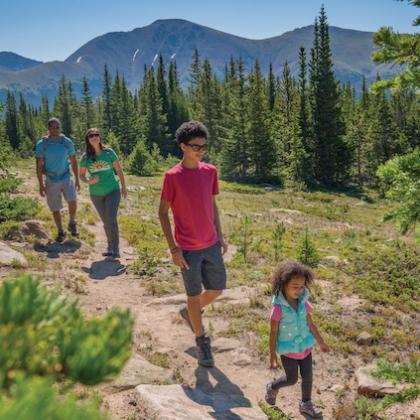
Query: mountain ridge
[[129, 52]]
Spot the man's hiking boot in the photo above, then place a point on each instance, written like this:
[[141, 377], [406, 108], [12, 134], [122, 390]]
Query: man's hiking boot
[[73, 229], [185, 315], [308, 408], [204, 355], [271, 395], [60, 236]]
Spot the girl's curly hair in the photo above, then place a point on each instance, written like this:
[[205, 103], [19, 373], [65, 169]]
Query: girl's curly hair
[[286, 271]]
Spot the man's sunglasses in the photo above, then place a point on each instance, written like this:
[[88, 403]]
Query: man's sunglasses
[[198, 147], [92, 135]]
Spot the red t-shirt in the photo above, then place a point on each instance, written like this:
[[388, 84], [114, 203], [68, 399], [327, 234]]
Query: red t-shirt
[[190, 193]]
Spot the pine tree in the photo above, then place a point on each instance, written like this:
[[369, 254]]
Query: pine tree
[[106, 97], [12, 131], [89, 112], [236, 150], [263, 153], [331, 153]]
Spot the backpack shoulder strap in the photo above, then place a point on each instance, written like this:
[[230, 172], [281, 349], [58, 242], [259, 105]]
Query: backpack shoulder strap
[[65, 141], [44, 144]]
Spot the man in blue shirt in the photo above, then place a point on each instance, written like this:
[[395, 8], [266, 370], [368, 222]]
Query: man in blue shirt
[[53, 153]]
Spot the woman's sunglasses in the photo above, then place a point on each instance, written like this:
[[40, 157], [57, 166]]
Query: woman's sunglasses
[[92, 135]]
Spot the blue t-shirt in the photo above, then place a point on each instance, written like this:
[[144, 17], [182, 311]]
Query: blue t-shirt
[[56, 157]]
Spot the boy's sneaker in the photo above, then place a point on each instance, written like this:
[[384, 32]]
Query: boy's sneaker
[[204, 355], [73, 229], [308, 408], [60, 236], [185, 315], [271, 395]]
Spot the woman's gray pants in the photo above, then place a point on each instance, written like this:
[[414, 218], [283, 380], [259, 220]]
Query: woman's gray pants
[[107, 207]]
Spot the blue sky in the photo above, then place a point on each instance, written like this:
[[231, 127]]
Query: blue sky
[[53, 29]]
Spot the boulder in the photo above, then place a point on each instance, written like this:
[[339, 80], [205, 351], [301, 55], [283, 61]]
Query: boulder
[[241, 357], [331, 261], [364, 338], [35, 229], [177, 402], [9, 256], [139, 371], [370, 386], [223, 344]]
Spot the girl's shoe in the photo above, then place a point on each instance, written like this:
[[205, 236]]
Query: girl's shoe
[[308, 408], [271, 395]]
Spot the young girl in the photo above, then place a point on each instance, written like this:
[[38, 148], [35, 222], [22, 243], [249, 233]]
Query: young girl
[[101, 162], [292, 333]]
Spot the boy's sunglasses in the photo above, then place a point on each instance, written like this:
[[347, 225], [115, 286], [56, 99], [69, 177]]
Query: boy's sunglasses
[[198, 147], [90, 136]]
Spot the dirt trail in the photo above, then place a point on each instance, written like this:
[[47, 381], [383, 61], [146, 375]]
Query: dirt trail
[[239, 373]]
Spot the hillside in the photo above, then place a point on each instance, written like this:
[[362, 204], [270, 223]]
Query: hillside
[[129, 52], [367, 282]]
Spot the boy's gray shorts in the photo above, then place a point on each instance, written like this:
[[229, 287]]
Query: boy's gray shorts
[[206, 268], [54, 190]]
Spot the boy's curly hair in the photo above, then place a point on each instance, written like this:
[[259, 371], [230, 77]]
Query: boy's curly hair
[[286, 271], [190, 130]]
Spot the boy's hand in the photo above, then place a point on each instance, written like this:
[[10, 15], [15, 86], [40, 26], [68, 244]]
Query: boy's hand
[[179, 259], [325, 348], [224, 246], [274, 361]]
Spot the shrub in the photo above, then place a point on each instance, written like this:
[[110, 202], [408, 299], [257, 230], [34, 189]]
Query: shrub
[[43, 334], [17, 208], [10, 231], [37, 399], [307, 253], [9, 183], [141, 162], [400, 178]]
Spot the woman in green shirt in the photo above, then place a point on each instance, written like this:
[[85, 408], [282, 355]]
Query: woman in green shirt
[[102, 163]]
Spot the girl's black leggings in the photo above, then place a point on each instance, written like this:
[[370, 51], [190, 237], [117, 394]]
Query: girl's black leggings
[[291, 367]]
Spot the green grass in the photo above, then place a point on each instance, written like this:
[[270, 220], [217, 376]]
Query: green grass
[[399, 372], [367, 408]]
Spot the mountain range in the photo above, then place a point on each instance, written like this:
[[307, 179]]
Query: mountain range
[[129, 52]]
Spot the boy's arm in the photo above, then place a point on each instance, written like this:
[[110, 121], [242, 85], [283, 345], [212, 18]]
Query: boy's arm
[[314, 330], [274, 331], [176, 253], [219, 226]]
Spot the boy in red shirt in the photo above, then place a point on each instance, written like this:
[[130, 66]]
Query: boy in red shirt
[[189, 190]]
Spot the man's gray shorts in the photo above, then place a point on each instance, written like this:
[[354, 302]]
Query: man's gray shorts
[[55, 189], [206, 268]]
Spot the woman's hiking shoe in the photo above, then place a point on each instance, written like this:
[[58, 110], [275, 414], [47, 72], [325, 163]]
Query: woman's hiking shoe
[[308, 408], [73, 229], [60, 236], [204, 355], [185, 315], [271, 395]]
